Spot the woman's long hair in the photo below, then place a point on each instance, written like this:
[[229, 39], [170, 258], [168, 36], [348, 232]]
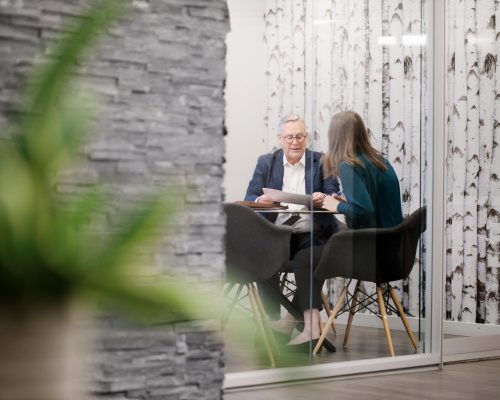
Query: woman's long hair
[[348, 138]]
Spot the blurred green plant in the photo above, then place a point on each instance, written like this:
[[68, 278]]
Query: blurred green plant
[[50, 251]]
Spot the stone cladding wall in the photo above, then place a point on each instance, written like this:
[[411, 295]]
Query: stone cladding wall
[[159, 75]]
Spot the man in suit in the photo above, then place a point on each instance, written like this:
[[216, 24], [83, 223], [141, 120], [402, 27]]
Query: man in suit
[[294, 169]]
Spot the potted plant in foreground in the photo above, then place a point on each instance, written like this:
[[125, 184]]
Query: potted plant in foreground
[[51, 254]]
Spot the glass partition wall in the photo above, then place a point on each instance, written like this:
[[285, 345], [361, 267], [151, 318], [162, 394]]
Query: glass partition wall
[[371, 58], [315, 59], [472, 294]]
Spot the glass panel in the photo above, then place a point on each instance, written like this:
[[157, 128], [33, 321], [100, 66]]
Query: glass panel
[[317, 59], [371, 59], [268, 123], [473, 165]]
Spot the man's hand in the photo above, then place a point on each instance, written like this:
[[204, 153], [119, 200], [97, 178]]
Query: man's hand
[[264, 199], [317, 198]]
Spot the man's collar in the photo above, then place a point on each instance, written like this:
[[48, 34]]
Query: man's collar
[[301, 161]]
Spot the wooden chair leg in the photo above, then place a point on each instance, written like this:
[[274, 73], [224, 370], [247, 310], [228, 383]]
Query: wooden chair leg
[[231, 306], [383, 314], [326, 306], [260, 325], [265, 320], [352, 311], [333, 314], [402, 315]]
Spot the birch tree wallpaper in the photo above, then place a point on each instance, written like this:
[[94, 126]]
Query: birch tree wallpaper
[[473, 160], [369, 56], [327, 56]]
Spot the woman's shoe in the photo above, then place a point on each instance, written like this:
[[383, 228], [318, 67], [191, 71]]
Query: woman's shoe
[[305, 347]]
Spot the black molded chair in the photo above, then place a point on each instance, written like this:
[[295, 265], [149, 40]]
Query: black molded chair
[[373, 255], [256, 249]]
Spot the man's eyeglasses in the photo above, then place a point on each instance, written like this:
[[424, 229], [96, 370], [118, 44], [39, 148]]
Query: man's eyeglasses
[[289, 138]]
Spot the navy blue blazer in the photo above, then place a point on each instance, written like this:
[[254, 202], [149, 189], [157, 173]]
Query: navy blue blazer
[[269, 174]]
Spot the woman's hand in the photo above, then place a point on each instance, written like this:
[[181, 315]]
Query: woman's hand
[[330, 203], [340, 197], [317, 199]]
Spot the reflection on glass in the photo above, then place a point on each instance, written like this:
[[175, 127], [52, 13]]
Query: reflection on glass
[[289, 74]]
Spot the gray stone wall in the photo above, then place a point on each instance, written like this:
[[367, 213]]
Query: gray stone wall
[[160, 76]]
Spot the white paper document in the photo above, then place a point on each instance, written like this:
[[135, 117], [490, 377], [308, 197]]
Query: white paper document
[[285, 197]]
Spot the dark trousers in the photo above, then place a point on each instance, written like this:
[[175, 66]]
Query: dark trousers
[[308, 293], [298, 242]]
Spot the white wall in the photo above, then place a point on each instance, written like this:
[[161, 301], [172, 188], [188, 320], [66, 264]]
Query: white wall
[[245, 95]]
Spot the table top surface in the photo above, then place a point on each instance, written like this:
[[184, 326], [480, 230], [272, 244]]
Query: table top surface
[[285, 211], [281, 209]]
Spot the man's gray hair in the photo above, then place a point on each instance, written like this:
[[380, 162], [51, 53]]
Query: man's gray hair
[[288, 118]]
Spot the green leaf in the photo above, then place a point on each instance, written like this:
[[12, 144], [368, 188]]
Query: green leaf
[[50, 250], [173, 300], [82, 209], [141, 228]]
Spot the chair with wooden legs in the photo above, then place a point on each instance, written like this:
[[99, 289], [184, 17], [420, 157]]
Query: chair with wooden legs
[[372, 255], [256, 249]]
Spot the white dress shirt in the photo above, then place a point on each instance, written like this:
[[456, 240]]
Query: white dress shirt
[[294, 181]]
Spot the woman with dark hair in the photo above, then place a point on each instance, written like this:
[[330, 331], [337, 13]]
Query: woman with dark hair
[[371, 199]]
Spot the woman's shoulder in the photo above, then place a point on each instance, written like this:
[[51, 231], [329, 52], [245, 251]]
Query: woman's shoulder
[[385, 160], [387, 163], [360, 162], [368, 162], [349, 167], [344, 164]]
